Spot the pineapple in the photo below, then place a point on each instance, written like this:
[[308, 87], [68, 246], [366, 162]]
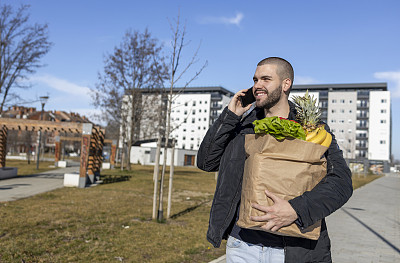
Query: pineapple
[[308, 114]]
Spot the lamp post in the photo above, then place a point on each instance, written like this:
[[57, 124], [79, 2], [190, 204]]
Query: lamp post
[[43, 101]]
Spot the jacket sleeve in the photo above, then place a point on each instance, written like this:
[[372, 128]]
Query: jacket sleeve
[[215, 141], [330, 194]]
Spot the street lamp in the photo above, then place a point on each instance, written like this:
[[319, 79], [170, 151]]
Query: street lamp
[[43, 101]]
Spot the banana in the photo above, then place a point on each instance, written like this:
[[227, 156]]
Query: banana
[[312, 134], [320, 137], [328, 140]]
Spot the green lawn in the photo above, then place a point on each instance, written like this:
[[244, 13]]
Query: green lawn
[[112, 222], [26, 169]]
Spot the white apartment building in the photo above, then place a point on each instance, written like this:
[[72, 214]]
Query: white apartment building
[[360, 117], [193, 111]]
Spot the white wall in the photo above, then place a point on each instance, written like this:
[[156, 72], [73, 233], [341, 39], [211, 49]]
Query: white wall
[[342, 119], [379, 126], [146, 156], [195, 108]]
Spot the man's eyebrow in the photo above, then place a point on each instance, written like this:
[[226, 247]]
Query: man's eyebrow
[[263, 77]]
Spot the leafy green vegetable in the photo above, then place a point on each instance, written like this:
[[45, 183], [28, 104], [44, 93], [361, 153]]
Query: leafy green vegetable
[[280, 128]]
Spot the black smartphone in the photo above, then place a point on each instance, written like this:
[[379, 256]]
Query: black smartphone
[[248, 98]]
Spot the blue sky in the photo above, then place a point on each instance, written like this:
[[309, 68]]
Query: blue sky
[[326, 42]]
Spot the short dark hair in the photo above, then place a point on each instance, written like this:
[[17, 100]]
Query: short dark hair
[[284, 68]]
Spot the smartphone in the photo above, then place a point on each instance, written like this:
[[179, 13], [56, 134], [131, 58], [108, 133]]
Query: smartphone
[[248, 98]]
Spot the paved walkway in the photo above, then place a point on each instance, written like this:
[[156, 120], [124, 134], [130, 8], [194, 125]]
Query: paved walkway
[[25, 186], [367, 228]]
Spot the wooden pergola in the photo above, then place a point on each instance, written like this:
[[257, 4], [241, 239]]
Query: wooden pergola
[[92, 142]]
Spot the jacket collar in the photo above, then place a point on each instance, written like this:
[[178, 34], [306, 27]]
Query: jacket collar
[[260, 114]]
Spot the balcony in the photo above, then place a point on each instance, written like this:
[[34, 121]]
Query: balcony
[[362, 116], [216, 97], [216, 106], [362, 95], [362, 147], [362, 127]]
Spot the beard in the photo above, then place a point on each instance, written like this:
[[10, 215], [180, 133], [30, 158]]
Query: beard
[[273, 98]]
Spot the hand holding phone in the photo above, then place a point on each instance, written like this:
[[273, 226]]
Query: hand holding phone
[[248, 98]]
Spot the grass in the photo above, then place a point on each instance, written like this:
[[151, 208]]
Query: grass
[[26, 169], [112, 222], [362, 179]]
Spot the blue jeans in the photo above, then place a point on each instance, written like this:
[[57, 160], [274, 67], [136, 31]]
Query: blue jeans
[[238, 251]]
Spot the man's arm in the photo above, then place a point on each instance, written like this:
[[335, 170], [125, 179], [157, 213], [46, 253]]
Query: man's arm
[[219, 135]]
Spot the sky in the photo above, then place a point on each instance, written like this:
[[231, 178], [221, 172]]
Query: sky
[[327, 42]]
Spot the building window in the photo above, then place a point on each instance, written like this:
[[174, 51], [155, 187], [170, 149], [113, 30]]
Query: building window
[[349, 131], [341, 110], [194, 103], [333, 121], [186, 103], [341, 121], [333, 111], [383, 111], [383, 121], [341, 131], [350, 101], [184, 138], [193, 111], [382, 142], [350, 111], [333, 101], [199, 110], [349, 121], [193, 120], [383, 100], [342, 101], [185, 112]]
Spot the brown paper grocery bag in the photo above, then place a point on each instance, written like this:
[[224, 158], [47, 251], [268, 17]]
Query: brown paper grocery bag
[[287, 168]]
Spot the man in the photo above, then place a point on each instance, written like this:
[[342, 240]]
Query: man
[[223, 150]]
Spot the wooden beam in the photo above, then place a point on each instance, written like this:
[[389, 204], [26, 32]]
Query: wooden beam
[[33, 125]]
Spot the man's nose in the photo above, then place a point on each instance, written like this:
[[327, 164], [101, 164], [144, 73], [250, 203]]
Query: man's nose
[[257, 85]]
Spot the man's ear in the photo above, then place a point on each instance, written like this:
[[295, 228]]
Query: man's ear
[[286, 83]]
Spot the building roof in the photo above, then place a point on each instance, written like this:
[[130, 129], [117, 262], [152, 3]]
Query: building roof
[[191, 90], [342, 87], [30, 113]]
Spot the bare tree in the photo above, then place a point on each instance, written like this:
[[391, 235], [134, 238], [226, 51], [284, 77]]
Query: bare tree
[[175, 75], [135, 65], [22, 45]]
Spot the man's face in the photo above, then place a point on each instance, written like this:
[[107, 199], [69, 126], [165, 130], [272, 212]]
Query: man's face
[[267, 86]]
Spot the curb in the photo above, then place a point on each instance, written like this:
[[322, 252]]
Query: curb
[[219, 260]]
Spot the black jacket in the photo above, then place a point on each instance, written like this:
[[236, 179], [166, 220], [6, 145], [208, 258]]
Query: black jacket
[[223, 150]]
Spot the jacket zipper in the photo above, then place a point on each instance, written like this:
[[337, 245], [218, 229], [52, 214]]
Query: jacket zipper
[[284, 247]]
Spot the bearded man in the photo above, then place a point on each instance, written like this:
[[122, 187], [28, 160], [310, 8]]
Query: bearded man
[[223, 150]]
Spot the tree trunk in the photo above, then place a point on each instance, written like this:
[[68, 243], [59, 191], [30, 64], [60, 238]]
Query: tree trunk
[[171, 175], [155, 175]]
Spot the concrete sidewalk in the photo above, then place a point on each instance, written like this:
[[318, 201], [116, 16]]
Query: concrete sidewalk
[[367, 228], [25, 186]]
